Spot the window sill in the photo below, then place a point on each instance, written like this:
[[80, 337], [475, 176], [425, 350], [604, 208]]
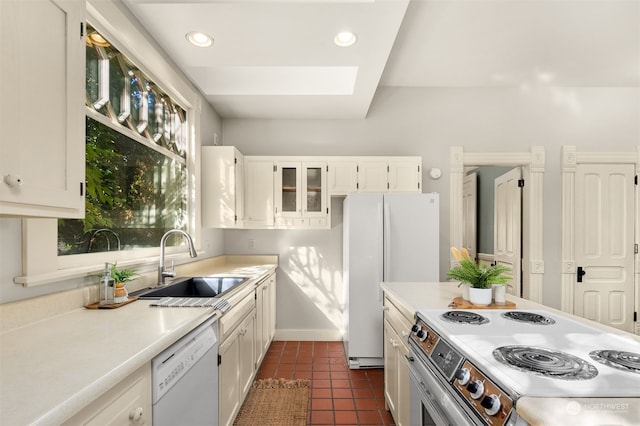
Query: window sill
[[90, 270]]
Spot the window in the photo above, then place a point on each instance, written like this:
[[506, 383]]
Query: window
[[136, 159]]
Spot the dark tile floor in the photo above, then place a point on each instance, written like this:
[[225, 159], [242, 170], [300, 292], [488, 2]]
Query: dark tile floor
[[339, 396]]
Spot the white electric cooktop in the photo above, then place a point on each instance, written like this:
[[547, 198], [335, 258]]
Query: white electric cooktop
[[559, 344]]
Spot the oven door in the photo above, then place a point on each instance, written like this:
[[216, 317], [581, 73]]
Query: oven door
[[431, 402]]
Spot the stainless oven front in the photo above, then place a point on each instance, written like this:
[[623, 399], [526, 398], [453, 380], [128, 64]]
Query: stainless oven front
[[432, 401]]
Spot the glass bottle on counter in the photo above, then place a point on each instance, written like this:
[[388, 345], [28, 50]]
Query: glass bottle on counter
[[106, 286]]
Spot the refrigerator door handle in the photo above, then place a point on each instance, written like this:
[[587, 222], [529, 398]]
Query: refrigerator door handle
[[381, 254], [387, 243]]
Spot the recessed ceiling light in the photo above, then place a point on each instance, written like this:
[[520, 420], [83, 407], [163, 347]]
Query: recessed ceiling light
[[98, 40], [345, 38], [199, 39]]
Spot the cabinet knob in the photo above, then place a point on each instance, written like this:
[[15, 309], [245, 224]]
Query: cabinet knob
[[135, 414], [13, 181]]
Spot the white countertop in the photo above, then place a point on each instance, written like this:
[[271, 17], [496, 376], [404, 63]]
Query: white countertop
[[411, 297], [52, 368]]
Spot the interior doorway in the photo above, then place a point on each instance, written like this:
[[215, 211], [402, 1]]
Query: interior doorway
[[493, 219], [532, 165]]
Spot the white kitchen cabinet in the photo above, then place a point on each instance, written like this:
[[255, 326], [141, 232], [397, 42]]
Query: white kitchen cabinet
[[342, 176], [42, 125], [272, 309], [396, 372], [247, 364], [222, 187], [390, 174], [391, 353], [127, 403], [265, 316], [237, 365], [258, 194], [405, 174], [373, 175], [301, 194]]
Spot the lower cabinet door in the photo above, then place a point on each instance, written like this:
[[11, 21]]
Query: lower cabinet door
[[229, 375], [390, 368]]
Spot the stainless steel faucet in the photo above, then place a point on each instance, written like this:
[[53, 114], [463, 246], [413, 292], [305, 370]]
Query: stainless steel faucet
[[162, 274]]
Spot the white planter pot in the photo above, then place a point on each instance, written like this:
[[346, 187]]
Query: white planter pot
[[480, 296], [499, 294]]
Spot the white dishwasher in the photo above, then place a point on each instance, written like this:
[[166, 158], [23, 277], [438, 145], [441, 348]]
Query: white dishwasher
[[185, 379]]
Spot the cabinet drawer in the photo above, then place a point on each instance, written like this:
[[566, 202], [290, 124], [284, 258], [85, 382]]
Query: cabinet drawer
[[128, 403], [301, 223], [400, 323], [230, 320], [318, 222]]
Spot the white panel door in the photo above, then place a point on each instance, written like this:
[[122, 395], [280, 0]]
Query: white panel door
[[507, 226], [470, 213], [604, 244]]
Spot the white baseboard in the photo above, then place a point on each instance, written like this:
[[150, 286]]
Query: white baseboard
[[309, 335]]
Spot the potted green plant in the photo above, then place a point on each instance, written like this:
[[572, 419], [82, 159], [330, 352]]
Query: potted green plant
[[121, 276], [480, 278]]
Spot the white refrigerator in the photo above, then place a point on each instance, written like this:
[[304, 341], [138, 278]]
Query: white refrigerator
[[386, 237]]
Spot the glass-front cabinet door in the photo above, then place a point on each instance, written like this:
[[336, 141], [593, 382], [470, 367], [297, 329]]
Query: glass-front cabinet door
[[300, 189], [288, 189], [314, 178]]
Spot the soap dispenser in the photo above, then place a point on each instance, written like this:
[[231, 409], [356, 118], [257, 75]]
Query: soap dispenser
[[106, 286]]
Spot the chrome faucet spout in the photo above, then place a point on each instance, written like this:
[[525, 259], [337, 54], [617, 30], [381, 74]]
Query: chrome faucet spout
[[162, 273]]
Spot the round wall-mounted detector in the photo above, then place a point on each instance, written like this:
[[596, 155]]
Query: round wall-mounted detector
[[435, 173]]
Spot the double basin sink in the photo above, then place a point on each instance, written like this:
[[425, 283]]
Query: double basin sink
[[211, 286]]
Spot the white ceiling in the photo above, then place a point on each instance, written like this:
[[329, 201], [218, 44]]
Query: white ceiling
[[276, 59]]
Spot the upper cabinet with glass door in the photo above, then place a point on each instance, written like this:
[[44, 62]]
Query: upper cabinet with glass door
[[301, 194], [42, 169]]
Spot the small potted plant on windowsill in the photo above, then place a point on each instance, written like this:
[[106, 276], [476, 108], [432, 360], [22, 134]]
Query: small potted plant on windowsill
[[479, 278], [121, 276]]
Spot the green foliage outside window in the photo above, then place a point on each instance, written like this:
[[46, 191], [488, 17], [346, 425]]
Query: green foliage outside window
[[136, 175]]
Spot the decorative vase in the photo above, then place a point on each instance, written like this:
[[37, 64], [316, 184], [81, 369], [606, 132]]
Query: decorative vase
[[480, 296], [465, 290], [499, 294]]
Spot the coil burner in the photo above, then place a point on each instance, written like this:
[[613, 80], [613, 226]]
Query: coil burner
[[464, 317], [545, 362], [528, 317], [626, 361]]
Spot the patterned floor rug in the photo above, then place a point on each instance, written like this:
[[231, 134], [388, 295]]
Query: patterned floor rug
[[272, 402]]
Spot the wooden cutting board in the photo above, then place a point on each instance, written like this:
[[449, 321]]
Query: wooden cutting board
[[97, 305], [460, 303]]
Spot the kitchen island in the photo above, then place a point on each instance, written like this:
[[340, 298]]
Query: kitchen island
[[408, 298], [53, 367]]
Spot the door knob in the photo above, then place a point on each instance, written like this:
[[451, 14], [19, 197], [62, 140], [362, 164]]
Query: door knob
[[581, 273]]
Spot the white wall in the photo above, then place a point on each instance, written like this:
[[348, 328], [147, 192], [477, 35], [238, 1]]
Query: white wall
[[427, 122]]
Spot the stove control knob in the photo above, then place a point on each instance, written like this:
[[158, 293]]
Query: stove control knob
[[476, 389], [415, 328], [491, 404], [422, 335], [463, 375]]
